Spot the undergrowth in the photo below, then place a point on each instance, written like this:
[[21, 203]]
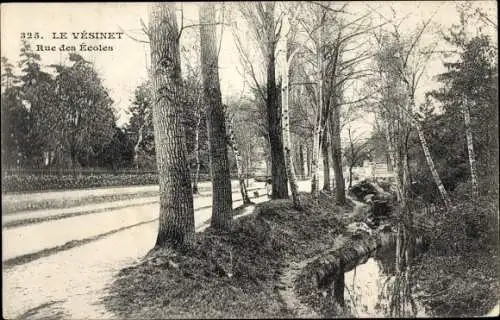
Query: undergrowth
[[460, 269], [228, 274]]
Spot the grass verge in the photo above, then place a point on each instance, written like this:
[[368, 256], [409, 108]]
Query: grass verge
[[231, 275]]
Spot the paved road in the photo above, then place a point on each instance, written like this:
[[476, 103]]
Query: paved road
[[68, 282]]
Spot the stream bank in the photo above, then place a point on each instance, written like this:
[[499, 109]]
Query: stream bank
[[238, 274]]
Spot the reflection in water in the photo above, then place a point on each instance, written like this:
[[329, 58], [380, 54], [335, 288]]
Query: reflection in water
[[382, 286]]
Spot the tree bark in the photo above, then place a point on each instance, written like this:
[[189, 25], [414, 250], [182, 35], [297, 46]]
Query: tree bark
[[389, 134], [286, 135], [219, 163], [308, 160], [470, 149], [139, 139], [430, 163], [278, 166], [315, 157], [176, 227], [326, 161], [237, 157], [337, 155], [197, 154], [301, 167]]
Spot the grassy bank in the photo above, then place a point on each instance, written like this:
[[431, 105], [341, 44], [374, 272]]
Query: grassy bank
[[260, 269], [231, 275], [460, 271]]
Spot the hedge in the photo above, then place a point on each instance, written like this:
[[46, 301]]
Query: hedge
[[27, 183]]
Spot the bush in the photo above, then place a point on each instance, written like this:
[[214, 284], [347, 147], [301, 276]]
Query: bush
[[28, 183], [472, 225]]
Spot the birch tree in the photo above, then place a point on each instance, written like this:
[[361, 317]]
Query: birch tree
[[285, 118], [176, 226], [239, 164], [404, 66]]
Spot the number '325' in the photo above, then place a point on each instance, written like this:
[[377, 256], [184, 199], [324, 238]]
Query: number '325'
[[30, 35]]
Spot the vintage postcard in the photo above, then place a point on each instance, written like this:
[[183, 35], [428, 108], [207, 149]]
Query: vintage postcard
[[307, 159]]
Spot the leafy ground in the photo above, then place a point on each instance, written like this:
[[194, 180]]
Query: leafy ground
[[231, 275]]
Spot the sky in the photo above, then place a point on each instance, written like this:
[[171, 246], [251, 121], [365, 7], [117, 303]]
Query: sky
[[125, 67]]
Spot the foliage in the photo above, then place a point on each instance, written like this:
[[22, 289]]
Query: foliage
[[29, 183], [62, 119], [472, 79]]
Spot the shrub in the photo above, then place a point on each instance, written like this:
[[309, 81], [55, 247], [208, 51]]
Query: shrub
[[28, 183], [472, 225]]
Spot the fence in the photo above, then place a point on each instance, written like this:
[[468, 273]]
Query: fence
[[50, 171]]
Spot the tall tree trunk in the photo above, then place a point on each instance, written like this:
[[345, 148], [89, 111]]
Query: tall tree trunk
[[237, 157], [395, 162], [337, 155], [286, 135], [319, 120], [470, 150], [219, 163], [197, 153], [430, 163], [326, 161], [278, 166], [176, 227]]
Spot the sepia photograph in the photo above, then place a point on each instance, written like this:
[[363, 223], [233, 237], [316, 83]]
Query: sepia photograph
[[254, 159]]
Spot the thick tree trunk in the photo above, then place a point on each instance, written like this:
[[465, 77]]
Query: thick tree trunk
[[286, 138], [197, 154], [237, 157], [278, 166], [337, 155], [326, 161], [176, 227], [219, 163], [470, 149]]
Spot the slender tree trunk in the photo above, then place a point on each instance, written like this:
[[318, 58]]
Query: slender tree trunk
[[319, 120], [430, 163], [353, 156], [308, 160], [350, 174], [337, 155], [285, 118], [470, 149], [395, 163], [176, 227], [237, 157], [300, 167], [219, 163], [315, 158], [326, 162], [139, 139], [197, 154]]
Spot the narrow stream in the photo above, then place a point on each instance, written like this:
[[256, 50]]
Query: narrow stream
[[382, 285]]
